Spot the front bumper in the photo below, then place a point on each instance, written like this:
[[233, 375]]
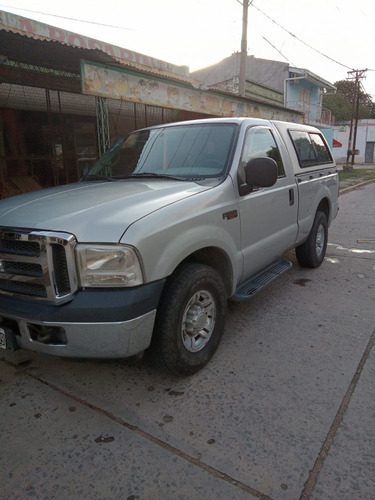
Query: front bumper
[[97, 323]]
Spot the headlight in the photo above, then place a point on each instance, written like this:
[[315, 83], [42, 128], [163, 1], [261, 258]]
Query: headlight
[[108, 266]]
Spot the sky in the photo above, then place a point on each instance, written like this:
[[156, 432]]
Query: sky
[[327, 37]]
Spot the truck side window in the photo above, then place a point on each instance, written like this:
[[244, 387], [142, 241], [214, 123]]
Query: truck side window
[[259, 141], [310, 148]]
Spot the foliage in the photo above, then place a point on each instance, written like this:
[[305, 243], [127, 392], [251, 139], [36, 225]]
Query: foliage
[[341, 103]]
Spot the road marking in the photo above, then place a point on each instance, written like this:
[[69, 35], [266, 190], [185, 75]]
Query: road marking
[[351, 250]]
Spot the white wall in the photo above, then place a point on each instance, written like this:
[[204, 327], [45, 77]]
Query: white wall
[[365, 134]]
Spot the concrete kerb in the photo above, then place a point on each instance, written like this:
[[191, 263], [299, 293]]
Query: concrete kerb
[[356, 186], [360, 184]]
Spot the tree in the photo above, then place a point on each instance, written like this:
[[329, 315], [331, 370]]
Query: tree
[[341, 103]]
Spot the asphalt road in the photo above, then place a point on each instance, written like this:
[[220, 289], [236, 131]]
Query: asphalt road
[[286, 409]]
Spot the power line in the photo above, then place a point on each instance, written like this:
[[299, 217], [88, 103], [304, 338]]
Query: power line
[[70, 18], [272, 70], [279, 51], [297, 38]]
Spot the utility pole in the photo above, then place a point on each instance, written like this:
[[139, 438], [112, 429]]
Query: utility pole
[[245, 7], [358, 75]]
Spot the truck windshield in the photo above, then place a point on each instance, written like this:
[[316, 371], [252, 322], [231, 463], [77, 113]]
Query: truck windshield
[[182, 151]]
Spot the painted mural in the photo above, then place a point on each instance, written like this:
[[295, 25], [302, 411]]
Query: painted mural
[[114, 83]]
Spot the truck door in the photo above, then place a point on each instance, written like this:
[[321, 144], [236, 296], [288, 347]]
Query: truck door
[[268, 215]]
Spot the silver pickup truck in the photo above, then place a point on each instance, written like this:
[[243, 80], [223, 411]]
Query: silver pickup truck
[[143, 252]]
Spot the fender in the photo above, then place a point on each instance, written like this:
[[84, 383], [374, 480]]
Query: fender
[[313, 188], [168, 236]]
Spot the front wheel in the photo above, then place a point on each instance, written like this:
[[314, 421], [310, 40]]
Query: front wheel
[[311, 253], [190, 319]]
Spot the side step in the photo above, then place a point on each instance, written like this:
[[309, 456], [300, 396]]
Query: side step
[[249, 288]]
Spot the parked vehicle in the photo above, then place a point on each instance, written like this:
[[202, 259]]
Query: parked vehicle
[[144, 252]]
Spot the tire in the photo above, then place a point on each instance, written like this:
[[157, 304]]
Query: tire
[[190, 320], [312, 252]]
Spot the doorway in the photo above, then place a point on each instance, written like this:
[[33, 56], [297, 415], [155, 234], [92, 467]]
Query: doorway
[[369, 152]]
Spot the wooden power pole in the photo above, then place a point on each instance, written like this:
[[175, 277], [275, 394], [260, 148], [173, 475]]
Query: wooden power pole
[[245, 7], [357, 75]]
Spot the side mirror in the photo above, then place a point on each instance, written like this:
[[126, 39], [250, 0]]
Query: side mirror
[[261, 172]]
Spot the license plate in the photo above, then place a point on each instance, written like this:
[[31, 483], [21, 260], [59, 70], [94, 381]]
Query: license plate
[[3, 339]]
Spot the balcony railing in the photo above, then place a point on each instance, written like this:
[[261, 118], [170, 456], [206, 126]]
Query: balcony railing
[[314, 114]]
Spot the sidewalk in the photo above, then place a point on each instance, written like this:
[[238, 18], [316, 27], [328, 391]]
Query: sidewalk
[[347, 185], [340, 166]]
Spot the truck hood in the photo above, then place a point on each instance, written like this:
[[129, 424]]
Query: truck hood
[[93, 211]]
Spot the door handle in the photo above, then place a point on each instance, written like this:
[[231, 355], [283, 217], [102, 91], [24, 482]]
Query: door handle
[[291, 197]]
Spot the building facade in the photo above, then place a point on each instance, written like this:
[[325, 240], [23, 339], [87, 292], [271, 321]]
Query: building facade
[[64, 98], [364, 144], [295, 88]]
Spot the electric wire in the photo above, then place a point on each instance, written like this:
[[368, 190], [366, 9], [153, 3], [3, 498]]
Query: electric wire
[[269, 74], [250, 3], [301, 41], [279, 51], [365, 92], [69, 18]]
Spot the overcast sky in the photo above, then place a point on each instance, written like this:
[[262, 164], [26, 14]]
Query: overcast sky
[[327, 37]]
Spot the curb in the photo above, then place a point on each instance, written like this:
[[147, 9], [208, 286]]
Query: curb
[[351, 188]]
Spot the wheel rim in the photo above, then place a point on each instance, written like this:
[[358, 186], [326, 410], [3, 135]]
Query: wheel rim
[[198, 321], [320, 240]]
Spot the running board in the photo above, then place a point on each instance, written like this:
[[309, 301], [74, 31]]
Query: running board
[[249, 288]]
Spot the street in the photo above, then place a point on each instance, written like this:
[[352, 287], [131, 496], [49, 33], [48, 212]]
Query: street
[[285, 410]]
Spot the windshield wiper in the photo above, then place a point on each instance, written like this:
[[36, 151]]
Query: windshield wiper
[[151, 175], [97, 177]]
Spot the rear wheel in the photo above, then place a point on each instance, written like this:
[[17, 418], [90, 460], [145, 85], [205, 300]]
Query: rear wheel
[[311, 253], [190, 319]]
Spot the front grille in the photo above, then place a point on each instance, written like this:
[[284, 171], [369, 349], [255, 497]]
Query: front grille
[[37, 264], [22, 268], [19, 247], [32, 289], [60, 267]]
